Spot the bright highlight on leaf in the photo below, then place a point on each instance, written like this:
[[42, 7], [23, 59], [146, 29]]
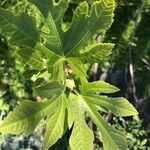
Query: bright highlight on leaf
[[112, 138], [119, 106], [97, 86], [55, 125], [26, 117], [81, 137], [53, 54]]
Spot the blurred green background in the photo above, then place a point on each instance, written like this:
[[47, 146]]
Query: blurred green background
[[131, 34]]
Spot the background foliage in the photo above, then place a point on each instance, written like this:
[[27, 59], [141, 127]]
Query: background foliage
[[130, 32]]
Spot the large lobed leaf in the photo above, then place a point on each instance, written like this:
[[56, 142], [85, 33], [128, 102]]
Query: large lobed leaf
[[118, 106], [112, 139], [59, 44], [86, 24], [97, 86]]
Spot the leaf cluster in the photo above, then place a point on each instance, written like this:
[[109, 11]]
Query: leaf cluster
[[50, 52]]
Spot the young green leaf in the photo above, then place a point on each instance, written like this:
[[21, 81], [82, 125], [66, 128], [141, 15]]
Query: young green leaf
[[119, 106], [81, 137], [96, 86], [112, 138], [55, 125], [26, 117]]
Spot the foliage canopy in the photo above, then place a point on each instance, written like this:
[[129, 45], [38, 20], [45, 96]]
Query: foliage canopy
[[48, 51]]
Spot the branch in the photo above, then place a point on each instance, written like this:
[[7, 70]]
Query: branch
[[131, 67]]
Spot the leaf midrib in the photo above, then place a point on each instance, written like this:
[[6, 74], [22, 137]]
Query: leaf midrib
[[56, 31], [79, 123]]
